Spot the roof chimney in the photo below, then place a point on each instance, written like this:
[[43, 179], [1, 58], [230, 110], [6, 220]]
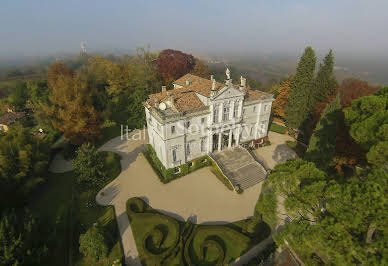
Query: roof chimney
[[187, 82], [163, 88], [211, 77]]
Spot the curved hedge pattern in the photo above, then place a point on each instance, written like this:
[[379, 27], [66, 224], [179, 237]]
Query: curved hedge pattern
[[162, 240], [212, 244]]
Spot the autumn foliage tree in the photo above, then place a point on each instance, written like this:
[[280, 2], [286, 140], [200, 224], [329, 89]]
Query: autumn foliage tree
[[55, 70], [279, 105], [348, 152], [201, 69], [71, 109], [172, 64]]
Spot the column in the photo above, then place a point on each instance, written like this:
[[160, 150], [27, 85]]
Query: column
[[237, 136], [230, 139], [210, 143], [221, 110], [219, 141], [231, 110]]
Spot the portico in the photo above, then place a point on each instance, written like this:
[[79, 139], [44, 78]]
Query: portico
[[224, 139]]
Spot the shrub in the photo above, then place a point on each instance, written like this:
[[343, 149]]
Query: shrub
[[277, 128], [92, 243], [89, 166]]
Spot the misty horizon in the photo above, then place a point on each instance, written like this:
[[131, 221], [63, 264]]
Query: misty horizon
[[39, 28]]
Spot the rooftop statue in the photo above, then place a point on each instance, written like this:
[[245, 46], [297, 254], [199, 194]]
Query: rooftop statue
[[227, 73]]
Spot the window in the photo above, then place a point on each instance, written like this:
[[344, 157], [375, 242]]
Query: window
[[262, 126], [235, 111], [174, 155], [203, 142], [226, 113], [172, 129], [188, 148], [187, 124], [265, 107], [251, 133], [158, 127], [215, 114], [254, 108], [203, 120]]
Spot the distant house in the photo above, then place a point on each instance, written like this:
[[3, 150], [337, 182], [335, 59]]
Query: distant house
[[9, 118]]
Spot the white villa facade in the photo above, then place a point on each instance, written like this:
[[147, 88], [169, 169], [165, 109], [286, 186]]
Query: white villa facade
[[201, 116]]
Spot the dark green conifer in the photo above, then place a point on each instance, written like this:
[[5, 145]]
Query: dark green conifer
[[300, 104]]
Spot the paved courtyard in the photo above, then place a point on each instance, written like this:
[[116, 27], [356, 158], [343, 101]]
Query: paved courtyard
[[277, 152], [199, 196]]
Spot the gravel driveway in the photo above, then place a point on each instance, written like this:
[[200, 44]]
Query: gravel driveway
[[199, 196]]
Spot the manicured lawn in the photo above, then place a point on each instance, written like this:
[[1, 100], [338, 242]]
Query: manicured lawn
[[163, 239], [69, 210], [277, 128]]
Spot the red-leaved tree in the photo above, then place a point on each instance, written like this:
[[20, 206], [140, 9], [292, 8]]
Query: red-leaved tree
[[172, 64]]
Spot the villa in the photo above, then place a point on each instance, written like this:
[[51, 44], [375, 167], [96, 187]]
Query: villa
[[202, 116]]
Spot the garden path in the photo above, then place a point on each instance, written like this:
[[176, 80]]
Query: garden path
[[277, 152]]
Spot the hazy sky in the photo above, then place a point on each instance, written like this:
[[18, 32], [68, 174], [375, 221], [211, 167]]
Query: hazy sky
[[31, 27]]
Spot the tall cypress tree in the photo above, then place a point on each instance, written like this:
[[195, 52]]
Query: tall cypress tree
[[321, 148], [300, 104], [325, 83]]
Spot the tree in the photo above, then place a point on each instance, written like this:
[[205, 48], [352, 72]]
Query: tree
[[93, 244], [325, 84], [71, 110], [335, 222], [279, 105], [200, 69], [301, 100], [348, 152], [89, 166], [368, 121], [55, 70], [20, 243], [18, 97], [172, 64], [23, 165], [352, 89], [322, 144]]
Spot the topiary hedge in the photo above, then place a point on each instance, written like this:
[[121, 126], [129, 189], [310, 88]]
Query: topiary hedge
[[163, 240], [167, 174]]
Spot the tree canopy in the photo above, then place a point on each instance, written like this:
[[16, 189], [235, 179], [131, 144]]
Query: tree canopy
[[325, 84], [281, 101], [301, 100], [23, 165], [321, 149], [368, 121], [339, 222], [89, 166], [172, 64]]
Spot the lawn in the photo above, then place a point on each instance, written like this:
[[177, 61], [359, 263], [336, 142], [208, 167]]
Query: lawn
[[161, 239], [277, 128], [69, 210]]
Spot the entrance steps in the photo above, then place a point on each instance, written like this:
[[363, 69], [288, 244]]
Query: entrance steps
[[239, 166]]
